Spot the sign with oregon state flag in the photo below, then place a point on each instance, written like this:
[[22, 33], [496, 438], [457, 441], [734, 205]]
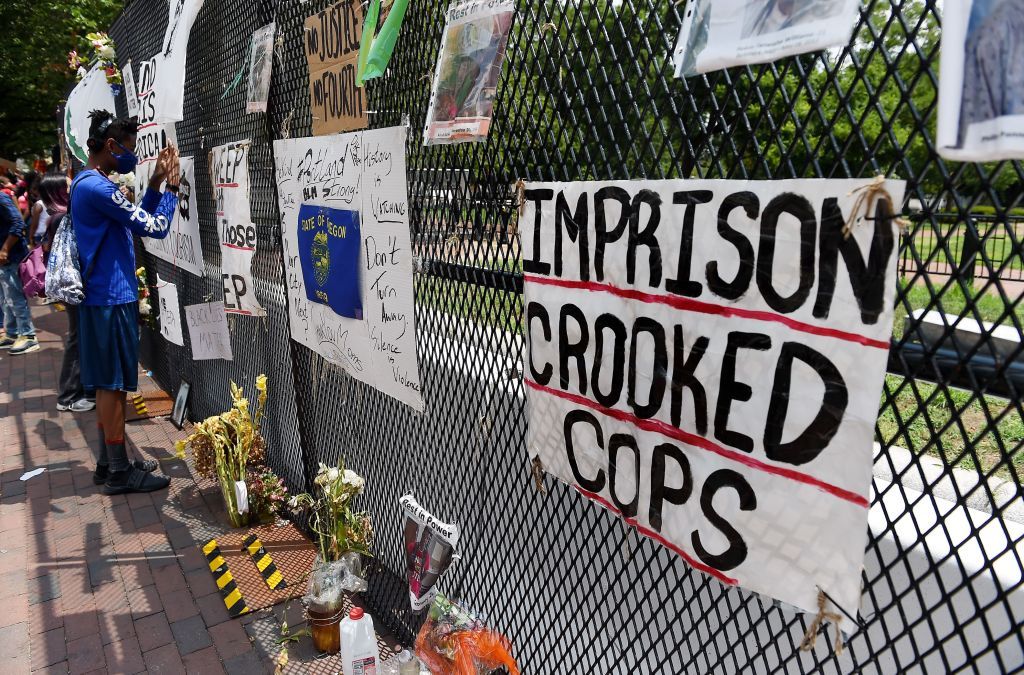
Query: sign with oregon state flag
[[329, 242]]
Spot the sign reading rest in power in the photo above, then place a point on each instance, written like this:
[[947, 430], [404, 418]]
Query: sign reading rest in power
[[705, 359]]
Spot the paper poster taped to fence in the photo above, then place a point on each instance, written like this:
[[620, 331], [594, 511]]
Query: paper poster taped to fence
[[170, 95], [131, 93], [229, 165], [429, 551], [261, 66], [332, 51], [170, 313], [362, 172], [182, 247], [981, 80], [329, 247], [153, 136], [468, 70], [91, 93], [208, 331], [723, 33], [705, 359]]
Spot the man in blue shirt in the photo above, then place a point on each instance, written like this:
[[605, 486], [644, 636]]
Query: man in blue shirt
[[108, 319], [20, 336]]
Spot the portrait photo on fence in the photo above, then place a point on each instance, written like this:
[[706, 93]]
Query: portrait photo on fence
[[981, 85]]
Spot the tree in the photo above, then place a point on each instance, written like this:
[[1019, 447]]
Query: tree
[[34, 73]]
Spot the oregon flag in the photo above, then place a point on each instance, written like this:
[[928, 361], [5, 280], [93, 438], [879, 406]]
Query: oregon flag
[[329, 243]]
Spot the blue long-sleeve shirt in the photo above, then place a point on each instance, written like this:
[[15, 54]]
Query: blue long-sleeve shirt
[[11, 223], [98, 208]]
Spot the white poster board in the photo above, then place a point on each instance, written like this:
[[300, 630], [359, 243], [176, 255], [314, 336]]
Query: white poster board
[[229, 166], [182, 247], [153, 136], [170, 95], [131, 93], [170, 312], [723, 33], [91, 93], [705, 359], [363, 171], [208, 331], [981, 80]]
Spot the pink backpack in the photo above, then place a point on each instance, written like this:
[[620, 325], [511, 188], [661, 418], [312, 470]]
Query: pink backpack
[[32, 271]]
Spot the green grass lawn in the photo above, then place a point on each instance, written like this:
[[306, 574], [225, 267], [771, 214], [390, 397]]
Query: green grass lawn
[[998, 246], [952, 300]]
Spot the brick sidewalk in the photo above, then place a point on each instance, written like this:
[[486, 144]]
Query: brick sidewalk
[[105, 584]]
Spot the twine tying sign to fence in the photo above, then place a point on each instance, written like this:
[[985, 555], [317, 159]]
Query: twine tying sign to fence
[[538, 476], [866, 197], [811, 636]]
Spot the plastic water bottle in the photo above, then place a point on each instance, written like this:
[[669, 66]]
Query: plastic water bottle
[[359, 653]]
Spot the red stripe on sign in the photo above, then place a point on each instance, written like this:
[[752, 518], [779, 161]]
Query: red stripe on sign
[[226, 185], [147, 125], [659, 427], [689, 305], [690, 560], [237, 311], [239, 248]]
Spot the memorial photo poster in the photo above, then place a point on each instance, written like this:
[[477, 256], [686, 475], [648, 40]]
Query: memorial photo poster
[[170, 95], [131, 92], [981, 80], [361, 172], [229, 166], [170, 312], [705, 358], [429, 551], [153, 136], [722, 33], [208, 331], [91, 93], [468, 70], [182, 247], [261, 66], [332, 52]]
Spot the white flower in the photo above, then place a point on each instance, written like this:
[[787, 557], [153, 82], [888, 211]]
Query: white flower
[[144, 308], [354, 479], [82, 72], [333, 474], [127, 179], [294, 502], [106, 52]]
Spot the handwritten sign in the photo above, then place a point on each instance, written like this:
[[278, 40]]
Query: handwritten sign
[[363, 172], [131, 93], [208, 331], [182, 247], [329, 244], [332, 50], [170, 95], [229, 165], [153, 136], [170, 313], [705, 359]]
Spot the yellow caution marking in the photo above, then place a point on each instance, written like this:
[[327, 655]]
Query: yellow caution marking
[[264, 563], [229, 593]]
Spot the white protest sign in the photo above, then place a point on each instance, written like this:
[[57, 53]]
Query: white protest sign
[[170, 95], [170, 313], [981, 81], [182, 247], [229, 166], [705, 358], [208, 331], [362, 171], [92, 93], [723, 33], [131, 93], [153, 136]]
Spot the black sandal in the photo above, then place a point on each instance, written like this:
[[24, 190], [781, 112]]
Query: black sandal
[[102, 472]]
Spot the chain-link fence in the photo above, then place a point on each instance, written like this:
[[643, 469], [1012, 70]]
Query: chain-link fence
[[586, 93]]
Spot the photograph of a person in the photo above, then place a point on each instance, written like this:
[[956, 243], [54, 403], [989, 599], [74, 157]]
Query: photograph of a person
[[993, 63], [472, 64], [260, 68], [763, 17]]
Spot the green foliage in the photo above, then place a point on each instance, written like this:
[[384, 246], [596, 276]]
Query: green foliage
[[34, 73]]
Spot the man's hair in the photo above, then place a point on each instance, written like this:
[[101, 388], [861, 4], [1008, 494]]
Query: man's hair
[[104, 125]]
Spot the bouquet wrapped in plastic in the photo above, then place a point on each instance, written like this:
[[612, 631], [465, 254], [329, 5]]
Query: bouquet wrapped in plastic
[[453, 641], [330, 582]]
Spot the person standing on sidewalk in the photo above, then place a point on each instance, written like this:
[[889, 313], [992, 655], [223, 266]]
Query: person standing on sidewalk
[[20, 336], [53, 192], [108, 318]]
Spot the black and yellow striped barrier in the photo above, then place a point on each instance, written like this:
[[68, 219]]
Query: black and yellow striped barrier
[[140, 405], [263, 562], [229, 592]]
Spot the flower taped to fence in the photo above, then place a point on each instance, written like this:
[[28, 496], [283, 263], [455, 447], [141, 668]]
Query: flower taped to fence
[[717, 390]]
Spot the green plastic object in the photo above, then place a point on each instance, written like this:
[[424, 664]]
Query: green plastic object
[[375, 51], [369, 28]]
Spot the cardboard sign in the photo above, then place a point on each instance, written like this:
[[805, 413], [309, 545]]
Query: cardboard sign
[[723, 33], [364, 172], [208, 331], [981, 81], [182, 247], [153, 136], [170, 95], [170, 313], [329, 244], [332, 50], [705, 359], [229, 165], [131, 94]]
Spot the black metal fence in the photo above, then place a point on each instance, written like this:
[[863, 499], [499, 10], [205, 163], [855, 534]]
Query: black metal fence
[[587, 93]]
